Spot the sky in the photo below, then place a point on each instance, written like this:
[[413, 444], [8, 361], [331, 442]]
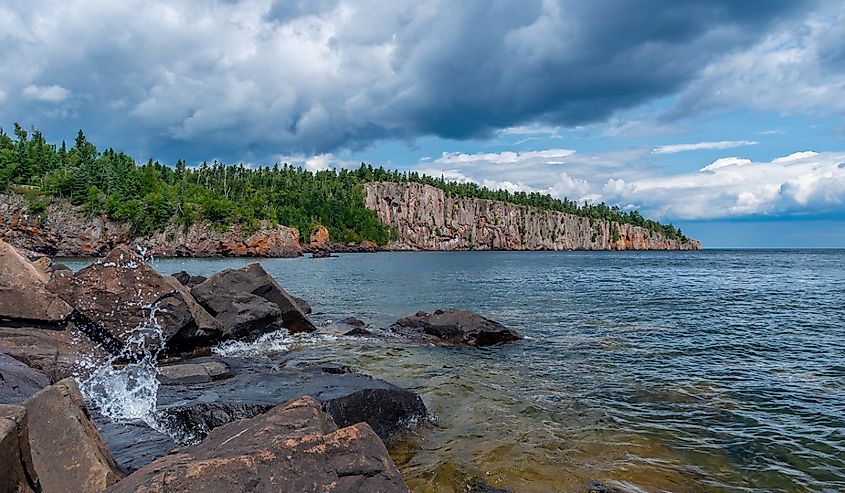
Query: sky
[[722, 117]]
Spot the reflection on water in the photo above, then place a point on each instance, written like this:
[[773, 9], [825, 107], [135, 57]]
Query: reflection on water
[[694, 371]]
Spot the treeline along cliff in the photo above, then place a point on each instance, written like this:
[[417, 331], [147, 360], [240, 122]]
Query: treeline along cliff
[[423, 217], [78, 200]]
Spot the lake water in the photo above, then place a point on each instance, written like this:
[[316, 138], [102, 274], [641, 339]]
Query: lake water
[[648, 371]]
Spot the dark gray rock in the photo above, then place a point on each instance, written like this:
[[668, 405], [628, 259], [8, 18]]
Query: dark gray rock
[[302, 304], [454, 327], [243, 315], [18, 381], [188, 280], [134, 444], [253, 279]]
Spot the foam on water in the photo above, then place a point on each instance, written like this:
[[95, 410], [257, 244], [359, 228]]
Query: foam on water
[[129, 392], [280, 341]]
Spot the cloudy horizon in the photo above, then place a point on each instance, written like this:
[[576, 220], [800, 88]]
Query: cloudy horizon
[[722, 117]]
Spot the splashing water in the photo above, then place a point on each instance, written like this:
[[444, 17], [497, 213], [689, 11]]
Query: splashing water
[[127, 393]]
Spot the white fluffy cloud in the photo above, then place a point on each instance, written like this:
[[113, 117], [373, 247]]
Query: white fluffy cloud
[[50, 94], [799, 184]]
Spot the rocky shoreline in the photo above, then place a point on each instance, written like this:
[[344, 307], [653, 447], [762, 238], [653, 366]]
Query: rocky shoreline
[[421, 217], [214, 421]]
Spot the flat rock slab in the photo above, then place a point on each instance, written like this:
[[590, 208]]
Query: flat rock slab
[[17, 381], [190, 373], [57, 353], [292, 447], [133, 445]]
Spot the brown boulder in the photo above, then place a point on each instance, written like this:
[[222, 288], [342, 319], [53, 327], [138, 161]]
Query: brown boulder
[[18, 381], [67, 451], [292, 447], [23, 296], [115, 296], [59, 354], [17, 475], [253, 279], [319, 237], [452, 326]]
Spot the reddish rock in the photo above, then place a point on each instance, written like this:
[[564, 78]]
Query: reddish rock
[[58, 354], [66, 230], [319, 238], [17, 474], [452, 326], [118, 293], [67, 451], [292, 447], [24, 298]]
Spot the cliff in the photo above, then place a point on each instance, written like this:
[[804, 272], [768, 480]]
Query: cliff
[[424, 218], [65, 230]]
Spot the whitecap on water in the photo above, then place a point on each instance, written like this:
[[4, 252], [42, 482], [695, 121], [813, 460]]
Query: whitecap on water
[[280, 341]]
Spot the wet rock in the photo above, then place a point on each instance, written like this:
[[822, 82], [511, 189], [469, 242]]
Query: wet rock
[[302, 304], [452, 326], [188, 280], [352, 322], [134, 444], [18, 381], [67, 451], [349, 397], [24, 298], [192, 373], [58, 354], [321, 253], [114, 296], [358, 332], [596, 487], [292, 447], [252, 279], [17, 474]]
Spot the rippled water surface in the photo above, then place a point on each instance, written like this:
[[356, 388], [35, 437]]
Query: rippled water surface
[[653, 371]]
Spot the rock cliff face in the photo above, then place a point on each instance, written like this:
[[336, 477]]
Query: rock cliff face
[[426, 219], [66, 230]]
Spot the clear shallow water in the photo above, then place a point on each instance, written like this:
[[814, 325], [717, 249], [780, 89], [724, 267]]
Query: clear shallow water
[[651, 371]]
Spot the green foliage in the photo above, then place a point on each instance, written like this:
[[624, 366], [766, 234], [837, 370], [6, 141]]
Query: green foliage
[[151, 194]]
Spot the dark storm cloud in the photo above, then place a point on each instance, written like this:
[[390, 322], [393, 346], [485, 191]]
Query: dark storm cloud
[[251, 79]]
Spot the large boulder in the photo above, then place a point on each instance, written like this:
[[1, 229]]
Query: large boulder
[[67, 451], [252, 279], [455, 327], [18, 381], [24, 298], [319, 238], [292, 447], [58, 354], [119, 294], [17, 474]]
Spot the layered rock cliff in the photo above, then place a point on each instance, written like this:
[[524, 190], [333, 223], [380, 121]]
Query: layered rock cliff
[[65, 230], [424, 218]]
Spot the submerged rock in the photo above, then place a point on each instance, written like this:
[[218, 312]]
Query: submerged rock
[[252, 279], [18, 381], [292, 447], [115, 295], [255, 387], [452, 326], [17, 474], [67, 451], [24, 298]]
